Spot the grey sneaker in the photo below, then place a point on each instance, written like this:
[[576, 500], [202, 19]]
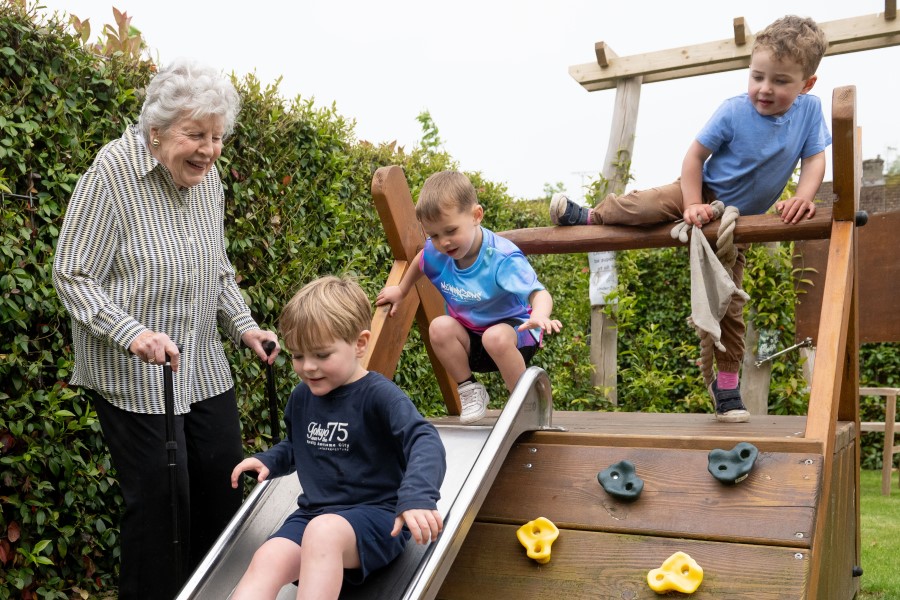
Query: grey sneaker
[[474, 400], [565, 212], [729, 406]]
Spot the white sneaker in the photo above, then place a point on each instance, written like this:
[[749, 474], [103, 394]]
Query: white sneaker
[[474, 400]]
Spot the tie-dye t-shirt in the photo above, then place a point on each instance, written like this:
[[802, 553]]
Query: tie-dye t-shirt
[[494, 289]]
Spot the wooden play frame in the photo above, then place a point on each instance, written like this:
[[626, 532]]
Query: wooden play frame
[[790, 531]]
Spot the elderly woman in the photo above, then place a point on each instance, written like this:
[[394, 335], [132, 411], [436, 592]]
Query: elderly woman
[[141, 268]]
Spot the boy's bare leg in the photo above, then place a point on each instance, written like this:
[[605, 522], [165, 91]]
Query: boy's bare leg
[[500, 342], [329, 547], [450, 343], [275, 564]]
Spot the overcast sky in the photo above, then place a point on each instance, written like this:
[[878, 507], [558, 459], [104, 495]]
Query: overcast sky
[[494, 73]]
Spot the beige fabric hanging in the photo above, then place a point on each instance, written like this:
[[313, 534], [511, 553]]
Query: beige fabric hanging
[[712, 288]]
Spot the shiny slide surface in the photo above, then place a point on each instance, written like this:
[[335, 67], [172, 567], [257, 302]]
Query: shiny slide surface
[[474, 457]]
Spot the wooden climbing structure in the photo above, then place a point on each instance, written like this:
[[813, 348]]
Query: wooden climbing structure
[[790, 530], [628, 75]]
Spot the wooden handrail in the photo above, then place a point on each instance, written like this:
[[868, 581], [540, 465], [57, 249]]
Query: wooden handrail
[[599, 238]]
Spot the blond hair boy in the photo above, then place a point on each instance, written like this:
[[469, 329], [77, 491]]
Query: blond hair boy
[[369, 464]]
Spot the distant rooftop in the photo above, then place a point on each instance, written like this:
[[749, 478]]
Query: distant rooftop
[[877, 194]]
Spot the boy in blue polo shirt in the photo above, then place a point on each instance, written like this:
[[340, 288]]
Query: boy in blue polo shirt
[[744, 156]]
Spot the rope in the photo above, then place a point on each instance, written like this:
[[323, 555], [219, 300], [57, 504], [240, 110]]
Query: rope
[[707, 357], [726, 252]]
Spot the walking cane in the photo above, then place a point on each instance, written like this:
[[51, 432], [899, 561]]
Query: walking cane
[[269, 346], [172, 449]]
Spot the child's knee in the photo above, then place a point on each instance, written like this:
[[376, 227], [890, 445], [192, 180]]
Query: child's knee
[[325, 529], [277, 546], [499, 338], [443, 327]]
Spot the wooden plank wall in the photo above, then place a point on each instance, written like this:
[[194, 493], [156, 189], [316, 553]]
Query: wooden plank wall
[[839, 550], [753, 539], [680, 498], [879, 279]]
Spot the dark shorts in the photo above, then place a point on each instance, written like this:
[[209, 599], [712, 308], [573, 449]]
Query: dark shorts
[[374, 543], [481, 362]]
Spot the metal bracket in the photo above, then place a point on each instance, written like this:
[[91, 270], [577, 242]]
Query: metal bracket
[[805, 343]]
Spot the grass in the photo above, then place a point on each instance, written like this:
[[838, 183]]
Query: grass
[[880, 533]]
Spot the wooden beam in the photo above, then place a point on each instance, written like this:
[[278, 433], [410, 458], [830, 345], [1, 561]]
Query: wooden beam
[[845, 35], [598, 238], [616, 170], [617, 164], [604, 54], [396, 208], [741, 31], [389, 333], [848, 409], [827, 383], [843, 148]]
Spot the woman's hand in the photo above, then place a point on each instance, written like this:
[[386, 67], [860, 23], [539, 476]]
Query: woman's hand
[[254, 339], [152, 348]]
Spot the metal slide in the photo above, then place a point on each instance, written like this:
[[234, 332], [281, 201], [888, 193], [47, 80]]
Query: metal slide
[[474, 456]]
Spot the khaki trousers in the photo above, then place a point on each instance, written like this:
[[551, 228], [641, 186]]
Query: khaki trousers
[[665, 204]]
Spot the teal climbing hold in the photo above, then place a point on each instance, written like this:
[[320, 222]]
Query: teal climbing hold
[[732, 466], [621, 481]]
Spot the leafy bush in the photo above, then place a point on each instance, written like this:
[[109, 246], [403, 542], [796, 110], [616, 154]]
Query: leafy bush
[[58, 105], [878, 367]]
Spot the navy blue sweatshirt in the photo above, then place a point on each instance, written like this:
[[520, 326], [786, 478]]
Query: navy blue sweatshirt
[[362, 443]]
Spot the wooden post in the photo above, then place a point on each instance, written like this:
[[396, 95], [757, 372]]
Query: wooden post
[[835, 384], [755, 381], [604, 352]]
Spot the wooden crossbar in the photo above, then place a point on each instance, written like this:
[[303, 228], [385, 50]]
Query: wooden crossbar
[[844, 35], [889, 427], [599, 238], [876, 426]]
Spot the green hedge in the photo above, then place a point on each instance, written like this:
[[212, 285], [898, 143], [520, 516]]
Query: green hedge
[[58, 105], [298, 206]]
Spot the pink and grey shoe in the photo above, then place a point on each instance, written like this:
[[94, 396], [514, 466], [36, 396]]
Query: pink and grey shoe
[[729, 406]]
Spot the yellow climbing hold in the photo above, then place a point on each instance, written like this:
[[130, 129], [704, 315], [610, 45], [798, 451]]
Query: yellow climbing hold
[[537, 536], [679, 573]]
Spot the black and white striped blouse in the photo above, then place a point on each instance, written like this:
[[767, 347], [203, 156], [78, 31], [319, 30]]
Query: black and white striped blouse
[[136, 252]]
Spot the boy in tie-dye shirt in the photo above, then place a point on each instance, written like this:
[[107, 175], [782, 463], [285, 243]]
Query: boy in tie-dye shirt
[[497, 310]]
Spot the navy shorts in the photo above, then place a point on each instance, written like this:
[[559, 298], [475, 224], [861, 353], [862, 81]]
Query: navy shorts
[[481, 362], [374, 543]]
